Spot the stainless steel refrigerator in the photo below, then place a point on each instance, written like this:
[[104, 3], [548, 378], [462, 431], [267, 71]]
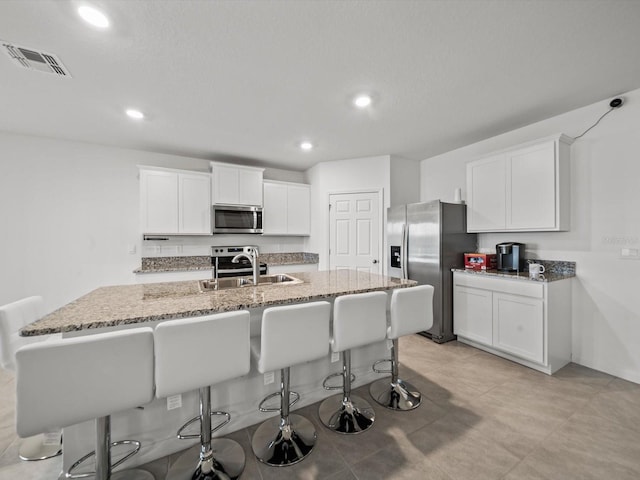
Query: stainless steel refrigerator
[[426, 240]]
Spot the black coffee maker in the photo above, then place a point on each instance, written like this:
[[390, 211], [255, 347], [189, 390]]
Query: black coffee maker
[[510, 257]]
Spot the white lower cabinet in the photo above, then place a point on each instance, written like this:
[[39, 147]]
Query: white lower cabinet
[[525, 321], [519, 325], [474, 314]]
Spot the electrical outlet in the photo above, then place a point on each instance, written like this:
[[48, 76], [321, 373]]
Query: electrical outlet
[[335, 356], [269, 377], [629, 253], [131, 249], [174, 401]]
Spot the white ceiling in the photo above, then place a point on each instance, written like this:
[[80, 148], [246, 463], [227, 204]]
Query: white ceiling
[[248, 80]]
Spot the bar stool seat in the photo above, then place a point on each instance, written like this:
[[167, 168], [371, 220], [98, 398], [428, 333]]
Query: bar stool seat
[[291, 335], [195, 354], [411, 312], [13, 317], [358, 320], [86, 378]]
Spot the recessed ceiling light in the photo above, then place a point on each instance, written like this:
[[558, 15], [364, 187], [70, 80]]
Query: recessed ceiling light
[[306, 146], [133, 113], [93, 16], [362, 101]]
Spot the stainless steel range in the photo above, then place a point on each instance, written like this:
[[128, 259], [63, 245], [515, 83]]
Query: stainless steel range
[[223, 267]]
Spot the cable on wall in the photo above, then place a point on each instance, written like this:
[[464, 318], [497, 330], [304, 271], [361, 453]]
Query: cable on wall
[[613, 104]]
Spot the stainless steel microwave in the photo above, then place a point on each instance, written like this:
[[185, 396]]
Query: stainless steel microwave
[[237, 219]]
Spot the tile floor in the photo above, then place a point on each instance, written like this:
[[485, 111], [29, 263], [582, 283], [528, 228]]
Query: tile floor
[[482, 417]]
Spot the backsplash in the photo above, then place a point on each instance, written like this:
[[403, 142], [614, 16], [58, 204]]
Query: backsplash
[[171, 263], [183, 246], [203, 262], [557, 267], [289, 258]]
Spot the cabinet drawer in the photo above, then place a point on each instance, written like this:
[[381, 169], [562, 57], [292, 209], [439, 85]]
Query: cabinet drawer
[[514, 287]]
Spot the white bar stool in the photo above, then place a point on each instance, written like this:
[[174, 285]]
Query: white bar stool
[[358, 320], [195, 354], [411, 312], [290, 335], [13, 317], [86, 378]]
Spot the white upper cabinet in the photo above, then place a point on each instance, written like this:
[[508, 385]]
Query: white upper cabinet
[[298, 209], [158, 201], [287, 208], [521, 189], [194, 205], [486, 194], [175, 202], [236, 184], [274, 213]]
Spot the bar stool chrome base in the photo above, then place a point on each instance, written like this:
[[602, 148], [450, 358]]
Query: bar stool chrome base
[[34, 448], [355, 415], [105, 471], [226, 464], [132, 474], [281, 444], [398, 395], [102, 457]]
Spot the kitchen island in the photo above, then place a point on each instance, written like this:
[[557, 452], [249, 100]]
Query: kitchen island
[[120, 305], [155, 424]]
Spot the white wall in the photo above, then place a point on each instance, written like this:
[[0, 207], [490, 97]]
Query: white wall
[[69, 212], [605, 206], [337, 177], [404, 181]]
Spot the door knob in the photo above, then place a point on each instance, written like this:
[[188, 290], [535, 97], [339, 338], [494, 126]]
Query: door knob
[[375, 261]]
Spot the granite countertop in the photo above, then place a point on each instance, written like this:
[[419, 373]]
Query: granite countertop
[[545, 277], [295, 258], [203, 262], [131, 304]]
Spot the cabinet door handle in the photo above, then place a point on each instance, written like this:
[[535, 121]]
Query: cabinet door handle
[[375, 261]]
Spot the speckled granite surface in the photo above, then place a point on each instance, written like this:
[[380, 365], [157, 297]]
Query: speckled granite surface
[[127, 304], [554, 270], [203, 262], [174, 264], [295, 258]]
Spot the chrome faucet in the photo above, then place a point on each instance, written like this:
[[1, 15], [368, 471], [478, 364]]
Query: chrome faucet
[[251, 254]]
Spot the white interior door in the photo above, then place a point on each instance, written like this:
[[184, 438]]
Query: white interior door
[[355, 232]]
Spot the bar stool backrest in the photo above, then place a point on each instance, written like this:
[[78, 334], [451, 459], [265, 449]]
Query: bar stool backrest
[[67, 381], [411, 310], [198, 352], [359, 319], [294, 334], [13, 317]]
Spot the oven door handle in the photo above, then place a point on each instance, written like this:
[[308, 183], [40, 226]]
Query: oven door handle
[[235, 270]]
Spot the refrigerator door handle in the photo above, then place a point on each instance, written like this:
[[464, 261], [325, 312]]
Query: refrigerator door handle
[[403, 251]]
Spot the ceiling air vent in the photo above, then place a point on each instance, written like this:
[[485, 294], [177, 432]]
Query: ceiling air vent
[[33, 59]]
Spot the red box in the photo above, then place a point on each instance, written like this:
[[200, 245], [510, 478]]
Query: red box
[[480, 261]]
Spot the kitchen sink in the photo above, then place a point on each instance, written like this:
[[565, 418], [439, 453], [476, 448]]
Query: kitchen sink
[[281, 278], [237, 282], [224, 283]]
